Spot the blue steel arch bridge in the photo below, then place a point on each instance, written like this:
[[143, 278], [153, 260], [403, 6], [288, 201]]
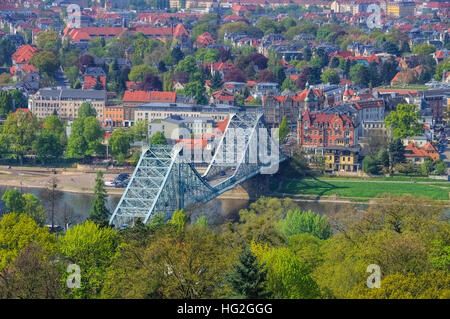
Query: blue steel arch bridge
[[165, 178]]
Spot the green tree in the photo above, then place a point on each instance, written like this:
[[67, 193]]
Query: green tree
[[179, 219], [85, 138], [46, 62], [370, 165], [138, 72], [287, 276], [330, 76], [99, 212], [404, 121], [18, 133], [298, 222], [196, 90], [5, 103], [86, 110], [49, 40], [91, 247], [359, 74], [158, 139], [441, 167], [424, 49], [139, 131], [427, 167], [119, 142], [17, 231], [283, 130], [248, 278], [48, 147], [216, 81], [396, 152]]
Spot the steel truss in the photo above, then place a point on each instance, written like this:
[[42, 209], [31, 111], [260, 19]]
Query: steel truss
[[164, 180]]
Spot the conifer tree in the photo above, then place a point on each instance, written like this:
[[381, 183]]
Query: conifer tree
[[99, 213], [248, 277]]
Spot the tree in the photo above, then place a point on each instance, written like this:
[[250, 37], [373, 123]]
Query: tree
[[288, 84], [99, 212], [427, 167], [151, 83], [283, 130], [32, 275], [86, 110], [287, 276], [424, 49], [48, 40], [216, 81], [48, 147], [18, 133], [7, 49], [188, 64], [17, 231], [139, 131], [359, 74], [196, 90], [404, 121], [266, 76], [91, 247], [138, 72], [248, 278], [14, 201], [177, 54], [120, 143], [85, 138], [179, 219], [396, 152], [441, 167], [330, 76], [46, 62], [234, 75], [5, 103], [298, 222]]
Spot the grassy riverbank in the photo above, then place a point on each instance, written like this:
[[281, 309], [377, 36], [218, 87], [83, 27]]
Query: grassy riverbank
[[359, 188]]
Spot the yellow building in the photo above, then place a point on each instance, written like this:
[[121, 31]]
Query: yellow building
[[341, 159], [65, 102], [190, 4], [401, 9]]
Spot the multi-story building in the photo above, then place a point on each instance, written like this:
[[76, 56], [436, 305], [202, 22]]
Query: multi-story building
[[153, 111], [66, 102], [401, 8], [339, 159], [320, 129], [113, 115], [133, 99], [175, 127], [276, 107]]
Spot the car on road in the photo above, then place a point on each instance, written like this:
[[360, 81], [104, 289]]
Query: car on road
[[110, 183], [118, 180], [123, 183]]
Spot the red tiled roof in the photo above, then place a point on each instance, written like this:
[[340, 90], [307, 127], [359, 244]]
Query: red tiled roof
[[24, 54], [163, 96], [136, 96], [428, 150], [205, 39]]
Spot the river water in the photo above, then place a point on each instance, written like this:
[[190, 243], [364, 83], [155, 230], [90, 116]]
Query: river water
[[72, 208]]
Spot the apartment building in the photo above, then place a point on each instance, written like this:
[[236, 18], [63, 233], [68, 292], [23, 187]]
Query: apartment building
[[65, 102], [401, 8], [155, 111]]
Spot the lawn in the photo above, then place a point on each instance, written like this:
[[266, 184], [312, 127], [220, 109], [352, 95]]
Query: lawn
[[363, 189]]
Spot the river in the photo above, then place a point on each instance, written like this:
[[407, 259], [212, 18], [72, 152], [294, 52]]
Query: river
[[74, 208]]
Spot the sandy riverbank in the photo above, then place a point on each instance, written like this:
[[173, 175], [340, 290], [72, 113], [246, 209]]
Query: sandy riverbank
[[68, 181]]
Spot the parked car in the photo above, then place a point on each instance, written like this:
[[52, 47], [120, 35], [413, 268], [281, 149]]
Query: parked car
[[110, 183], [123, 183]]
